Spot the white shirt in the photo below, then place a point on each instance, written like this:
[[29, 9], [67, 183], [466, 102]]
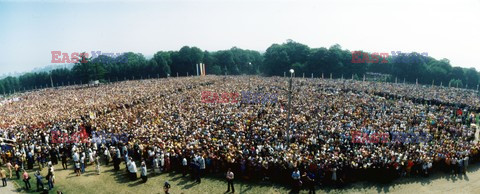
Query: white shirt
[[144, 171], [75, 157], [230, 175], [201, 162], [132, 167], [184, 162]]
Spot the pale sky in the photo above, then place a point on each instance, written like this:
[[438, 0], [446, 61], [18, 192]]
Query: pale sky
[[30, 30]]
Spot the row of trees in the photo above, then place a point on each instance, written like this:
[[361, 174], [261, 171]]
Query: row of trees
[[277, 60], [337, 62]]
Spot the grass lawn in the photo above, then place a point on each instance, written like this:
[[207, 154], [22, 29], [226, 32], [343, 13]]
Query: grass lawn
[[110, 181], [20, 185]]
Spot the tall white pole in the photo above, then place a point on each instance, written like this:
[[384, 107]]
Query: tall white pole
[[196, 67]]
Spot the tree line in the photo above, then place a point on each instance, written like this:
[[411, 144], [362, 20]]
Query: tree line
[[276, 61]]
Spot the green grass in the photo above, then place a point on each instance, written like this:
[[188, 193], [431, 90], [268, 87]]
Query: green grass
[[20, 185], [110, 181], [113, 182]]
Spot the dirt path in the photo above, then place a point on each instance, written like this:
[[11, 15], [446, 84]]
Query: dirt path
[[10, 188]]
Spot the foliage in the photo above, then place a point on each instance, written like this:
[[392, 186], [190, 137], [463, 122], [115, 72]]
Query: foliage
[[276, 61]]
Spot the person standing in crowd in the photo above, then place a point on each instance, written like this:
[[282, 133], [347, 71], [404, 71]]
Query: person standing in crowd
[[117, 159], [309, 179], [454, 165], [30, 160], [460, 165], [202, 166], [143, 172], [156, 165], [77, 168], [334, 175], [52, 168], [76, 158], [132, 168], [97, 163], [465, 165], [9, 167], [17, 170], [126, 158], [106, 153], [82, 162], [26, 180], [53, 156], [39, 177], [198, 178], [40, 161], [3, 175], [230, 177], [184, 166], [296, 181], [49, 178], [91, 158], [64, 161]]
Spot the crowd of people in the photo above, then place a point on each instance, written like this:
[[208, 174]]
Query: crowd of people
[[169, 129]]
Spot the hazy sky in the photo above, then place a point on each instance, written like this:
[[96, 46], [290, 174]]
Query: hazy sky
[[30, 30]]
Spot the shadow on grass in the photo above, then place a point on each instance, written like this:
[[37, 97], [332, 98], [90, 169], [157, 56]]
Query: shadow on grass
[[386, 187], [20, 186], [245, 186], [121, 176], [136, 183]]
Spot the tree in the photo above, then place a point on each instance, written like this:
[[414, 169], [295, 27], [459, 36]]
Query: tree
[[185, 60], [455, 83], [277, 59], [471, 76], [163, 62]]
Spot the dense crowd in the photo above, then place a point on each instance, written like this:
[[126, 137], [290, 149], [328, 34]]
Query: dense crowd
[[168, 128]]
